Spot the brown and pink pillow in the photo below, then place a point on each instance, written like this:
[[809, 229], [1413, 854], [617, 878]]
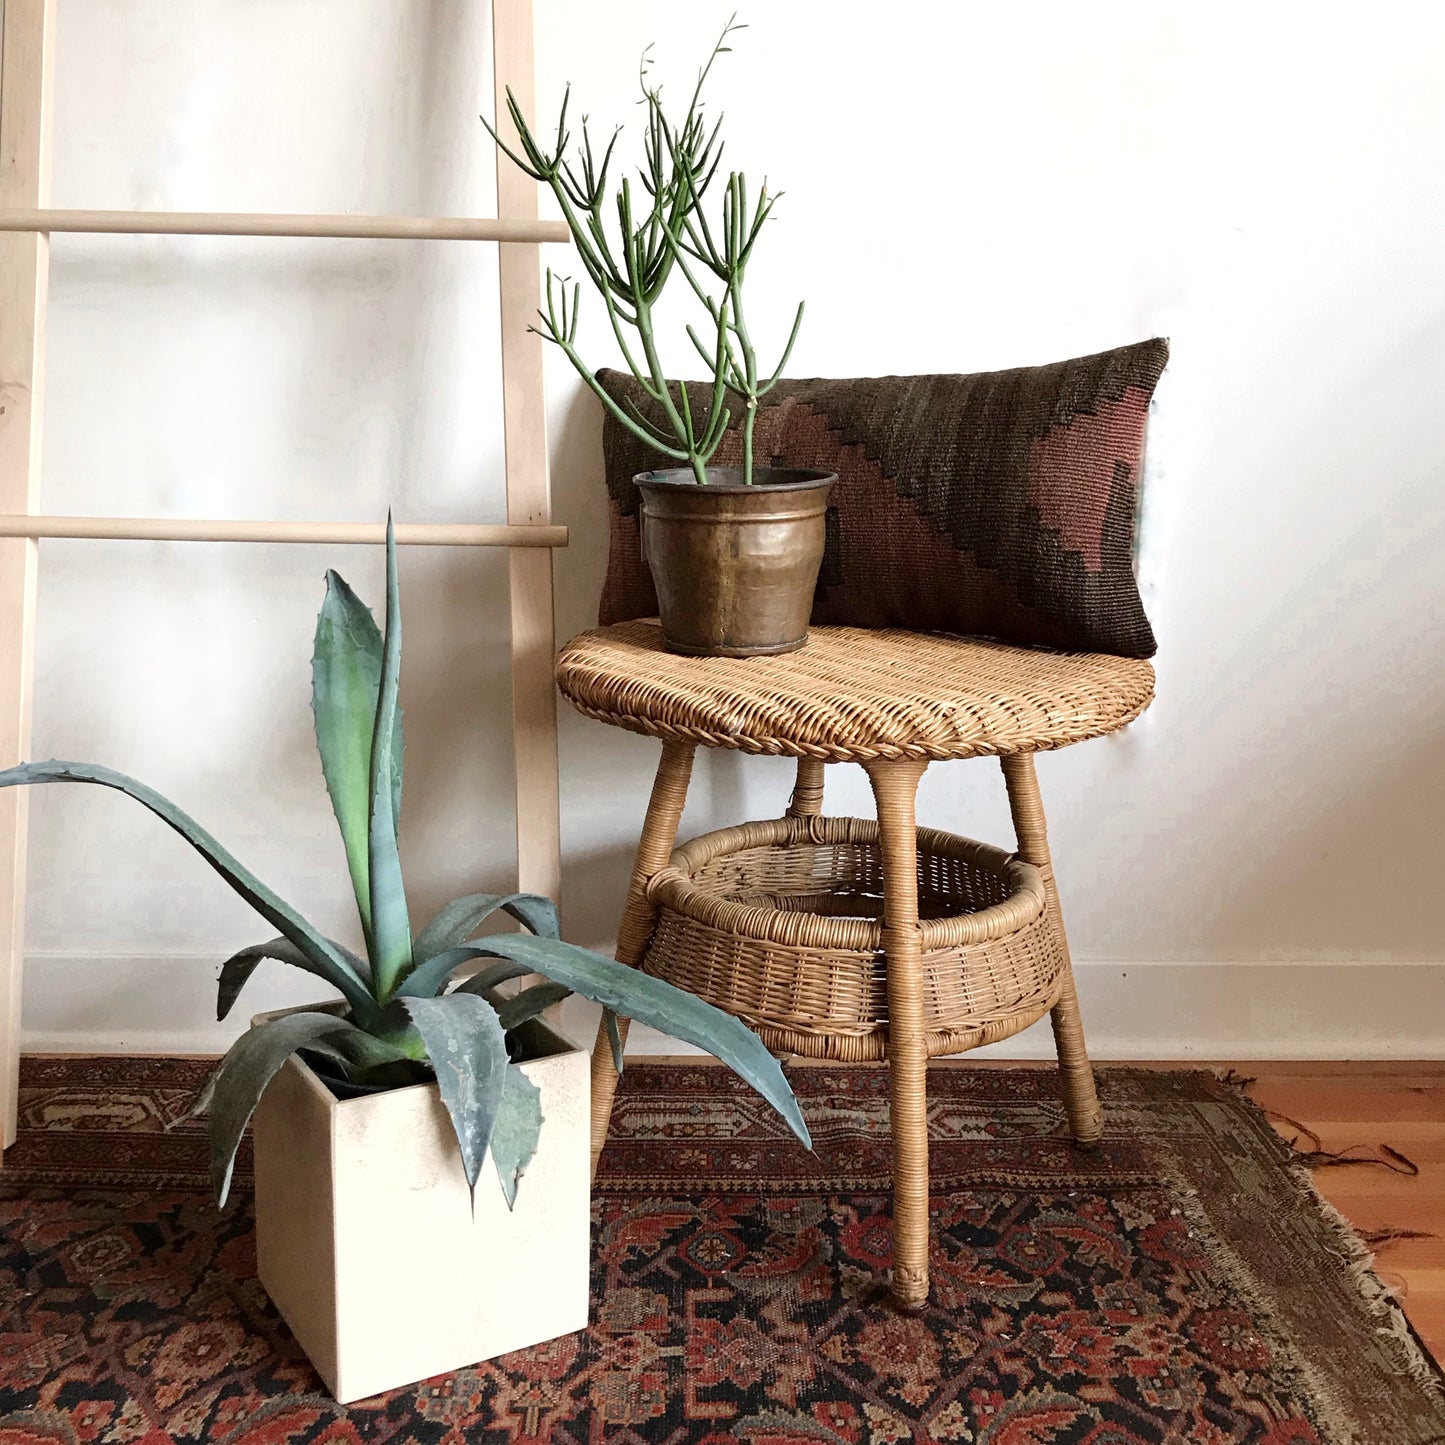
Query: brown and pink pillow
[[999, 504]]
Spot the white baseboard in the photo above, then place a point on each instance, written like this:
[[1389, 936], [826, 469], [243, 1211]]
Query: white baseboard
[[1350, 1010]]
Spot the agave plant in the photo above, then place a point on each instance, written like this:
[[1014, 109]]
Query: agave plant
[[405, 1015]]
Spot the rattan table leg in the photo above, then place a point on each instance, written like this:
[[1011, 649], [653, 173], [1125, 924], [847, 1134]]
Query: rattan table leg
[[1081, 1097], [807, 799], [895, 787], [654, 849]]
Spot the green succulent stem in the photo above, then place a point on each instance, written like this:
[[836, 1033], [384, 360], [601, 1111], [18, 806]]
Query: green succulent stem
[[631, 263]]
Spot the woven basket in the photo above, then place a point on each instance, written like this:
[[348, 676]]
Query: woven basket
[[780, 923]]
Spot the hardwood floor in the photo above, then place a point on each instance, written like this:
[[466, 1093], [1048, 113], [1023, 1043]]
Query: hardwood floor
[[1400, 1104]]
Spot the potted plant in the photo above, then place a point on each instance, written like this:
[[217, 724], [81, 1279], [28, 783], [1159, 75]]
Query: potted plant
[[734, 551], [377, 1110]]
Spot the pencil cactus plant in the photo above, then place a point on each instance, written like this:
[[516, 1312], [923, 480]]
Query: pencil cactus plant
[[660, 230], [406, 1018]]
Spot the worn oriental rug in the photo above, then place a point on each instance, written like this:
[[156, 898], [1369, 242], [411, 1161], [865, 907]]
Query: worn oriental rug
[[1180, 1285]]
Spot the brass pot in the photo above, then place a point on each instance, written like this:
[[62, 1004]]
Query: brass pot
[[734, 565]]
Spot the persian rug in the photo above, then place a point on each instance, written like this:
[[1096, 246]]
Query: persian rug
[[1182, 1284]]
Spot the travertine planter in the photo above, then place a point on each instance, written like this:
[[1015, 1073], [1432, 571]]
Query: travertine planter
[[366, 1239]]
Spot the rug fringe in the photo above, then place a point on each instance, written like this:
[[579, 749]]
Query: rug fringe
[[1379, 1299], [1386, 1156], [1378, 1238], [1354, 1252]]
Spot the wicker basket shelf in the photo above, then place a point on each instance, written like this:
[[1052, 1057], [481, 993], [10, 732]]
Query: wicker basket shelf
[[780, 923]]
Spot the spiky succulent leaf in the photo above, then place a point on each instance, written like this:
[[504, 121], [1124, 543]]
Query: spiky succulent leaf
[[234, 1090], [652, 1001], [430, 978], [614, 1037], [390, 924], [363, 1050], [515, 1011], [242, 964], [345, 687], [491, 973], [518, 1128], [468, 1050], [458, 922], [327, 962]]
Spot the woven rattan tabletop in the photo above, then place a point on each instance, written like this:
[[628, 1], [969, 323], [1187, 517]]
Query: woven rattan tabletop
[[854, 694]]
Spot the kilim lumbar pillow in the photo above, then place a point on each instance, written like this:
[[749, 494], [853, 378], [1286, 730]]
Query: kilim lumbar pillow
[[1000, 504]]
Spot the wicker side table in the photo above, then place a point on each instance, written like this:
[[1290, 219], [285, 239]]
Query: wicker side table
[[846, 938]]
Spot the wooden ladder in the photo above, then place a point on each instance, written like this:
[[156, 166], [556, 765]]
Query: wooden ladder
[[26, 222]]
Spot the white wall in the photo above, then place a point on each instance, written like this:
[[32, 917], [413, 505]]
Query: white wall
[[1255, 868]]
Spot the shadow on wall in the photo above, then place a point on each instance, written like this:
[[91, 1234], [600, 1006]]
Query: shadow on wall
[[579, 502], [595, 889], [457, 818], [1342, 873], [1300, 685]]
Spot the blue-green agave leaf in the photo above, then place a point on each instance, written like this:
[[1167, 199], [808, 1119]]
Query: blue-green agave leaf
[[345, 686], [241, 965], [459, 920], [652, 1001], [234, 1090], [516, 1010], [363, 1050], [327, 962], [614, 1037], [431, 977], [468, 1050], [519, 1126], [390, 923], [350, 1048], [395, 1027], [485, 980]]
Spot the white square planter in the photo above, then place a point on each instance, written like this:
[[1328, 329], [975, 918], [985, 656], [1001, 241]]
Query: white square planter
[[366, 1239]]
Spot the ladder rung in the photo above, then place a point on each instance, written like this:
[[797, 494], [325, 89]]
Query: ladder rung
[[222, 223], [186, 529]]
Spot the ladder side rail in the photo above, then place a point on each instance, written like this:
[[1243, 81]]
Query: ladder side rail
[[27, 37]]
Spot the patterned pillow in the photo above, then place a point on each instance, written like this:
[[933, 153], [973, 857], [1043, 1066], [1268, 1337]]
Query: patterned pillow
[[1001, 503]]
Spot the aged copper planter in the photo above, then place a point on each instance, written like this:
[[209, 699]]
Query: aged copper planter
[[734, 565]]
